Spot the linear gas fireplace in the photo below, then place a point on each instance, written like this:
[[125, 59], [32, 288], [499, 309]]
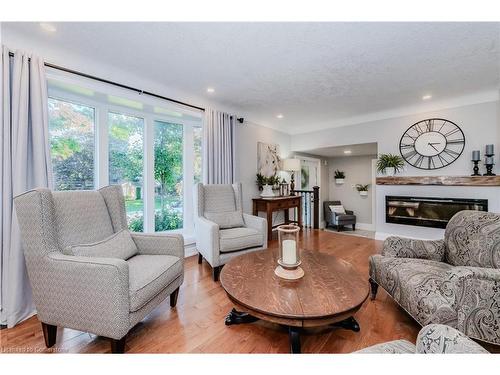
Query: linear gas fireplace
[[428, 211]]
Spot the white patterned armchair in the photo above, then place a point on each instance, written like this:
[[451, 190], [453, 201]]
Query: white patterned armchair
[[432, 339], [222, 230], [87, 271], [455, 281]]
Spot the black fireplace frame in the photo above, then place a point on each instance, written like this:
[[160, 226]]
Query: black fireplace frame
[[427, 222]]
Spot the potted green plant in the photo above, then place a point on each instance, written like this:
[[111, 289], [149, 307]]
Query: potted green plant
[[362, 189], [339, 177], [390, 164], [266, 184]]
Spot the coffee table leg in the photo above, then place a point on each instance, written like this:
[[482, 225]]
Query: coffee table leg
[[349, 323], [239, 317], [294, 337]]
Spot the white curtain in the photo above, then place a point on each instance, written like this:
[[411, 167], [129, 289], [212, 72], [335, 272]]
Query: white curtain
[[218, 147], [25, 164]]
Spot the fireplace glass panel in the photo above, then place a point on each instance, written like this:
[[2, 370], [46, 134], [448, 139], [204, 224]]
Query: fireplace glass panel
[[428, 211]]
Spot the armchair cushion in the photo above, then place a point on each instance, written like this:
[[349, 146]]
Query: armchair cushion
[[239, 239], [149, 275], [120, 245], [338, 209], [226, 220], [347, 219], [420, 286]]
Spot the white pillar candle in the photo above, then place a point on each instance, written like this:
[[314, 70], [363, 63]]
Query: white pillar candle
[[289, 252]]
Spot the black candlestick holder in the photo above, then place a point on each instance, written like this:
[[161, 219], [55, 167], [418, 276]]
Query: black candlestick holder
[[476, 168], [489, 167]]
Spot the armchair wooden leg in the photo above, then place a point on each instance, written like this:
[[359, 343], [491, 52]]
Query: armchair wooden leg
[[118, 346], [49, 334], [354, 227], [216, 272], [173, 297], [373, 288], [200, 258]]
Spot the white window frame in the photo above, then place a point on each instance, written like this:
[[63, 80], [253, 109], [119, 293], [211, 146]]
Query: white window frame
[[101, 149]]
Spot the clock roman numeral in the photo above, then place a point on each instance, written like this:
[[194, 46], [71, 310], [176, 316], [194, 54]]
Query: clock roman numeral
[[429, 125], [418, 129], [407, 145], [451, 132], [419, 161], [456, 141], [410, 155], [432, 163], [451, 153]]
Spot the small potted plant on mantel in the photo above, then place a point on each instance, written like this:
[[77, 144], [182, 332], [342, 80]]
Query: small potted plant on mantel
[[390, 164], [339, 177], [362, 189]]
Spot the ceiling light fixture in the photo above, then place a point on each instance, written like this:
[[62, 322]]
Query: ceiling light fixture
[[279, 116], [347, 152], [426, 97], [48, 27], [210, 90]]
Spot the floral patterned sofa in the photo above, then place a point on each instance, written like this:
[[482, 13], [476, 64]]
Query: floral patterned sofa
[[455, 281], [432, 339]]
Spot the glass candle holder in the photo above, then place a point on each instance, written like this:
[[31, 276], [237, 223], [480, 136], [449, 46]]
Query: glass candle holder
[[289, 254]]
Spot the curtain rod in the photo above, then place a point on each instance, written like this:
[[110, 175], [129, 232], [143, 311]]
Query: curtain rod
[[67, 70]]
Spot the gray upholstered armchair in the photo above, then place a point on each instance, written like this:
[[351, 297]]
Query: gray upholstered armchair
[[432, 339], [455, 281], [222, 230], [338, 220], [87, 271]]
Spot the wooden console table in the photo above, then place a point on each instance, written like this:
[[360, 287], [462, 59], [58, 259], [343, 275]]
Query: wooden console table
[[270, 205]]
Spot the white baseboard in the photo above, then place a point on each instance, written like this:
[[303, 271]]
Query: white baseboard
[[190, 250], [365, 226]]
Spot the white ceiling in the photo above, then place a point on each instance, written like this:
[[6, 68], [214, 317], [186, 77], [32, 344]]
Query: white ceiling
[[361, 149], [315, 74]]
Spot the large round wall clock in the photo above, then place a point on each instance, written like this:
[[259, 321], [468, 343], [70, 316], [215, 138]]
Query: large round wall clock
[[432, 143]]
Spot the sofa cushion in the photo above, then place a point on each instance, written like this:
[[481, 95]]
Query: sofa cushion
[[424, 288], [149, 275], [473, 239], [120, 245], [239, 238], [226, 220]]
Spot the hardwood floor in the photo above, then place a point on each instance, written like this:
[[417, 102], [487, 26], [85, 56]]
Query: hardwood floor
[[196, 325]]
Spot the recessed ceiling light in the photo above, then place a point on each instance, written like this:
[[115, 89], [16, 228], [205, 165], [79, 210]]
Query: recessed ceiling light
[[279, 116], [347, 152], [48, 27], [210, 90], [426, 97]]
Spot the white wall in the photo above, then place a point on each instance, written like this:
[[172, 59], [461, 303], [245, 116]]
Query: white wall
[[480, 123], [247, 136], [358, 170]]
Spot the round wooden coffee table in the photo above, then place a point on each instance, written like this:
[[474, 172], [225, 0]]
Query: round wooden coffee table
[[330, 292]]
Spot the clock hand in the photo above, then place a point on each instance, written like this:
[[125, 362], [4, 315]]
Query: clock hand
[[432, 145]]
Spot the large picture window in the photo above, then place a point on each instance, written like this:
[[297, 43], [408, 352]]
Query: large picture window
[[72, 144], [154, 153], [126, 166]]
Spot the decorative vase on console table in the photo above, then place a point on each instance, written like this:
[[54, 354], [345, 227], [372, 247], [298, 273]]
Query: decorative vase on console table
[[289, 255], [267, 191]]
